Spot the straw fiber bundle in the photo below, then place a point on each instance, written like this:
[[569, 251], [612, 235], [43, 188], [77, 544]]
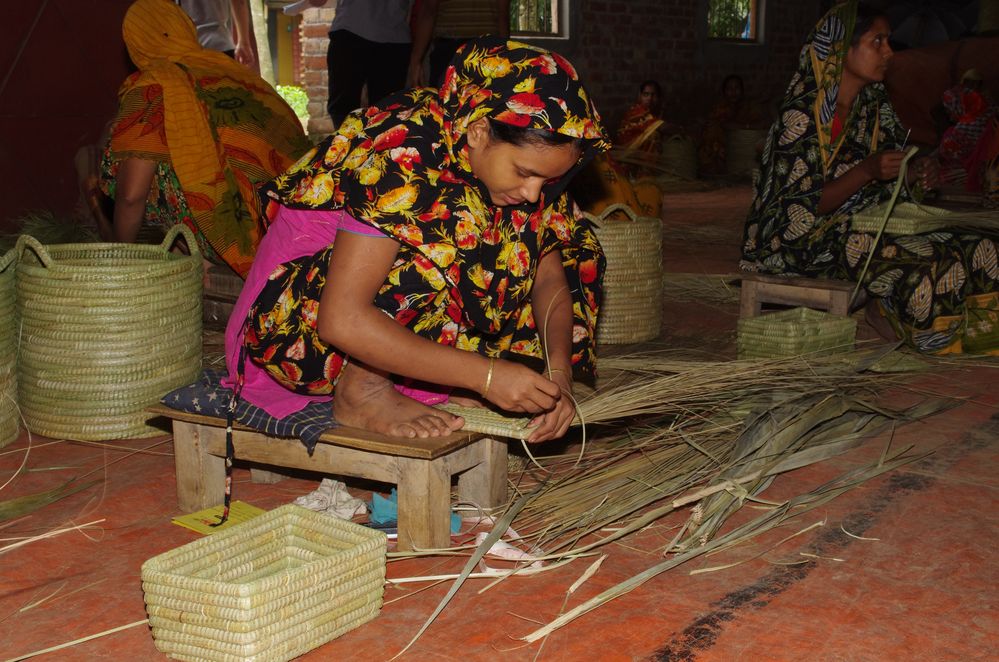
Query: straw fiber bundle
[[912, 218], [793, 332], [9, 418], [632, 306], [272, 588], [740, 150], [695, 441], [107, 329]]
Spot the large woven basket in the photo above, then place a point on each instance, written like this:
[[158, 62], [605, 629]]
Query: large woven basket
[[906, 218], [106, 330], [9, 418], [740, 150], [794, 332], [679, 156], [271, 588], [632, 306]]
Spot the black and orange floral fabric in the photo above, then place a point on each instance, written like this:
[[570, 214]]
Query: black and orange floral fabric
[[940, 290], [466, 267]]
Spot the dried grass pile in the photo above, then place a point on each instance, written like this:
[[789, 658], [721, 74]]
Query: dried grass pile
[[696, 441]]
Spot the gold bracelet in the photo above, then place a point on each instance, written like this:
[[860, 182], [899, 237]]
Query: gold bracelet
[[489, 377]]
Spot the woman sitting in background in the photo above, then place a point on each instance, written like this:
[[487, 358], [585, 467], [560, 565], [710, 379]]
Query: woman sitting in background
[[836, 150], [430, 238], [963, 145], [733, 111], [194, 134]]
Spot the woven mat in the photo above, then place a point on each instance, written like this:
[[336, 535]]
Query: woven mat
[[487, 421]]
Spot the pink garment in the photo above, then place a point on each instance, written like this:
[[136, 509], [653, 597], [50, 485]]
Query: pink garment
[[294, 234]]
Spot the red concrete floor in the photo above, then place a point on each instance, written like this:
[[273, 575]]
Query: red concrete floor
[[917, 582]]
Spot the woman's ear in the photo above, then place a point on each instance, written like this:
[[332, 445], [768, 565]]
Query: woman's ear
[[478, 133]]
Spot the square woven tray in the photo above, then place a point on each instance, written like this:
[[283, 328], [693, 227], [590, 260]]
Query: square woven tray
[[272, 588], [793, 332]]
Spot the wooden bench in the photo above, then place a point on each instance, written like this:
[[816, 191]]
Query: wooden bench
[[758, 289], [420, 468]]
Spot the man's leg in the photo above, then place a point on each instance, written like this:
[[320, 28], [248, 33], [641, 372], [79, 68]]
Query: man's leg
[[345, 63], [388, 71]]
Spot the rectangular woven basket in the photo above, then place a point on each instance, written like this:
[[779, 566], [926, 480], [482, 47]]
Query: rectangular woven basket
[[272, 588], [794, 332]]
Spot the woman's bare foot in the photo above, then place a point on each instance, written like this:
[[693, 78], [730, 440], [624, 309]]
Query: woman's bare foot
[[877, 321], [365, 398]]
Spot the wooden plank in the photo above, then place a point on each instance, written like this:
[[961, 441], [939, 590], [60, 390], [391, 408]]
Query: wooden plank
[[424, 502], [485, 483], [799, 281], [426, 449], [200, 474]]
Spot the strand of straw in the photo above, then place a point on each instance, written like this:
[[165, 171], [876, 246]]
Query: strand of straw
[[899, 182], [81, 640], [27, 451], [575, 405], [49, 534]]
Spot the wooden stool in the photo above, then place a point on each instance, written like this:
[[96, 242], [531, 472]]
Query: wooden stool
[[420, 468], [758, 289]]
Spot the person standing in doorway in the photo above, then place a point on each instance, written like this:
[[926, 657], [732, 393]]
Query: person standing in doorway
[[448, 24], [369, 45]]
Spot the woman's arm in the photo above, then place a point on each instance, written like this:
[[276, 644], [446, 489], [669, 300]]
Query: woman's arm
[[132, 183], [880, 166], [349, 320], [552, 304]]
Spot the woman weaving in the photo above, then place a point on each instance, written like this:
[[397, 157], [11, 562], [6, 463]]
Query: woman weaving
[[835, 150], [430, 238]]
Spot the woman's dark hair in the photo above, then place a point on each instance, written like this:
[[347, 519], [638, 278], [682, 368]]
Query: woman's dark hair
[[653, 83], [522, 135], [866, 15]]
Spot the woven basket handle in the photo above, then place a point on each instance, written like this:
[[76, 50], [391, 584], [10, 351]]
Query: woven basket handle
[[618, 206], [35, 246], [171, 236]]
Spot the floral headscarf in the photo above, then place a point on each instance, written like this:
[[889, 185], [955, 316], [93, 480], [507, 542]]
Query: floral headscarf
[[403, 167], [784, 232]]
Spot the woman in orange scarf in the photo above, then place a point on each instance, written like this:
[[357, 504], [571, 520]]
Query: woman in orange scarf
[[194, 134]]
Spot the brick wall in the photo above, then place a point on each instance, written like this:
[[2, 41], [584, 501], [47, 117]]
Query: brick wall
[[620, 43], [616, 44], [314, 30]]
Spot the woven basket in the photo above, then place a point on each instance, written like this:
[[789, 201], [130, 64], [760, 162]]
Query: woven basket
[[632, 306], [9, 417], [794, 332], [271, 588], [107, 329], [679, 156], [906, 218], [740, 151]]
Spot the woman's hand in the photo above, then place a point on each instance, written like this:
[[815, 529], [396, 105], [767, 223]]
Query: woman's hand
[[514, 387], [883, 165], [555, 423], [924, 172]]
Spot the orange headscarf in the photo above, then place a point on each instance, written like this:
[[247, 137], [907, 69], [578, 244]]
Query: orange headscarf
[[218, 150]]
